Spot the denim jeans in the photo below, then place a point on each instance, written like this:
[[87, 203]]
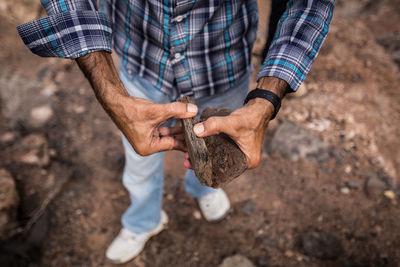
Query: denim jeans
[[143, 177]]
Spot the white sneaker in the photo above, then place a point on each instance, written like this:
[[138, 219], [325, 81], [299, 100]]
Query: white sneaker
[[214, 206], [128, 245]]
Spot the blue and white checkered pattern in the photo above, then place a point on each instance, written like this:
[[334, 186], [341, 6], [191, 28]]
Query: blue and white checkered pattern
[[198, 47]]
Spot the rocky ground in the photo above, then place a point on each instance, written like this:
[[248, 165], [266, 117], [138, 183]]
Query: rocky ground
[[326, 193]]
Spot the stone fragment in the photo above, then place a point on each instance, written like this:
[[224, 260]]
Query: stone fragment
[[40, 115], [289, 253], [197, 215], [374, 187], [216, 159], [7, 138], [49, 90], [8, 203], [236, 261], [294, 142], [345, 190], [249, 207], [32, 150], [389, 194], [352, 185], [321, 245]]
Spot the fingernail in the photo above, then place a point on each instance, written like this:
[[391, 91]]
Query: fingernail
[[192, 108], [198, 129]]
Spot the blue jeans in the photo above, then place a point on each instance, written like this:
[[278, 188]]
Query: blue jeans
[[143, 177]]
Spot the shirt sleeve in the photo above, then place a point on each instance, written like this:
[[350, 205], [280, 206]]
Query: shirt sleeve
[[72, 29], [300, 33]]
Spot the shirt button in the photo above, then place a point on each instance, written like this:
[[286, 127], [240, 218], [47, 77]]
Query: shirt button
[[177, 56], [179, 18], [129, 72]]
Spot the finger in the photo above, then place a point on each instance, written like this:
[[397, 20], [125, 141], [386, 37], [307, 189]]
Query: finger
[[214, 125], [179, 110], [169, 143], [186, 155], [169, 131], [180, 137], [187, 164]]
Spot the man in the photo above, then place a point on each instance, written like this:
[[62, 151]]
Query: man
[[200, 48]]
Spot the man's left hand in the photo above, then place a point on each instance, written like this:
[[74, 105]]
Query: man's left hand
[[246, 125]]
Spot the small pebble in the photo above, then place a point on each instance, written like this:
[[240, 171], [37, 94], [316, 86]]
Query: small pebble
[[7, 137], [345, 190], [389, 194], [347, 169], [40, 115], [49, 90], [289, 253], [52, 152], [353, 185], [374, 187], [197, 215], [79, 109], [299, 258]]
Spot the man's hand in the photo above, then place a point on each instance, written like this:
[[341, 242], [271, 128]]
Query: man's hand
[[246, 125], [140, 119], [137, 118]]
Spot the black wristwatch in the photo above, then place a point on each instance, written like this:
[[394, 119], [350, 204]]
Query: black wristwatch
[[268, 95]]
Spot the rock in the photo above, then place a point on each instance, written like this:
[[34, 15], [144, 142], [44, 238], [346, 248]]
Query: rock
[[40, 115], [197, 215], [321, 245], [374, 187], [347, 169], [236, 261], [294, 142], [7, 138], [79, 109], [9, 201], [289, 253], [249, 207], [33, 150], [216, 159], [353, 185], [345, 190], [49, 90], [389, 194]]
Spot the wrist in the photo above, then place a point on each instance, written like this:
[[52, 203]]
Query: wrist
[[275, 85], [267, 102], [261, 109]]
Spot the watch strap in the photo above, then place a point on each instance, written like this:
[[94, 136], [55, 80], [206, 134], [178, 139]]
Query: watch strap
[[267, 95]]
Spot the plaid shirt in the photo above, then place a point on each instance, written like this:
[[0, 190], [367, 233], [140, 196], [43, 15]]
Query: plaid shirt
[[199, 47]]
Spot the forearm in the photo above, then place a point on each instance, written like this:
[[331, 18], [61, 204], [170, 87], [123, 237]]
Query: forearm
[[99, 69]]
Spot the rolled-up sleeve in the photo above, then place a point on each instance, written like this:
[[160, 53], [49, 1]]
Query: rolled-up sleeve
[[300, 33], [72, 29]]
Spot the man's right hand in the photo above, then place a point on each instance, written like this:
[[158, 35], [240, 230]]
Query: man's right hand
[[137, 118], [140, 119]]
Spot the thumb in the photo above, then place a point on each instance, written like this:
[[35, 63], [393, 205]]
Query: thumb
[[180, 110], [212, 126]]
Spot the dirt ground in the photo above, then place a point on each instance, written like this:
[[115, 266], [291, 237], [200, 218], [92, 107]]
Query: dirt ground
[[335, 172]]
